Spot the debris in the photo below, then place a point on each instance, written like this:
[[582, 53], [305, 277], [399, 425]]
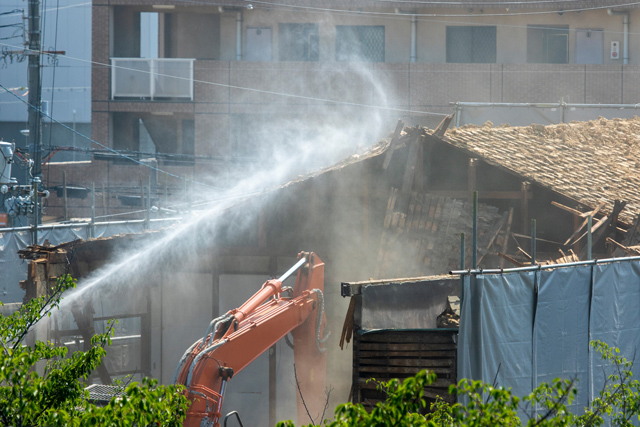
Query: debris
[[450, 317]]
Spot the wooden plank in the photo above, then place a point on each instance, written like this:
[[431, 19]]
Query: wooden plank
[[347, 327], [393, 144], [409, 172], [407, 347], [524, 206], [393, 370], [410, 213], [383, 237], [418, 211], [487, 240], [613, 226], [408, 337], [570, 210], [584, 223], [370, 384], [417, 353], [629, 236], [603, 226], [442, 127], [425, 363], [511, 260], [633, 251], [594, 227], [500, 195], [418, 176]]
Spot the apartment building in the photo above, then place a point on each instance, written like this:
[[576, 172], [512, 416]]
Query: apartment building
[[216, 87]]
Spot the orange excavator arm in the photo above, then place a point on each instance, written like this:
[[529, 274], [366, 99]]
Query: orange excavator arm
[[237, 338]]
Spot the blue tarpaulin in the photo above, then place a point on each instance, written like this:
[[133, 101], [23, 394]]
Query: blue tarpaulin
[[530, 327]]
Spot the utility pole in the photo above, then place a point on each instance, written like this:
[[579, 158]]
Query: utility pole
[[35, 95]]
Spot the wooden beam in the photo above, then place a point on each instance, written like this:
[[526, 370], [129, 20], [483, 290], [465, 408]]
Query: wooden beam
[[603, 226], [443, 126], [596, 226], [392, 144], [486, 242], [502, 195], [584, 223], [524, 190], [633, 251], [409, 173], [511, 260], [418, 177], [567, 208], [630, 234]]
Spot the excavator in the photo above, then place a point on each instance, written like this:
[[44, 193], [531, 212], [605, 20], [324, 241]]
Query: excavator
[[237, 338]]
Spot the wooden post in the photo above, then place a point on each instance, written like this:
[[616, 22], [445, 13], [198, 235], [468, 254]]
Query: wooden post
[[524, 188]]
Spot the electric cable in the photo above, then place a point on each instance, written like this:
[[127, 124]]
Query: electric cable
[[263, 91], [109, 148], [53, 82], [298, 8], [372, 13]]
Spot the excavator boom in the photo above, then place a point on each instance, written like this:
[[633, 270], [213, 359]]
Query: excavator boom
[[237, 338]]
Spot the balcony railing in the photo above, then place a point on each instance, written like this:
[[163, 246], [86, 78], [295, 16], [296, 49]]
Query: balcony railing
[[152, 78]]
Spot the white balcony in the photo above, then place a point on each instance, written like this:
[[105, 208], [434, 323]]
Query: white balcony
[[152, 78]]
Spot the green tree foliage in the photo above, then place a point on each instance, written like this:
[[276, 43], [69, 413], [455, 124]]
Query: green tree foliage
[[488, 405], [41, 386]]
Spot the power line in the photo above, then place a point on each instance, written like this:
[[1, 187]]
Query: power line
[[468, 3], [108, 148], [263, 91], [53, 82], [359, 12]]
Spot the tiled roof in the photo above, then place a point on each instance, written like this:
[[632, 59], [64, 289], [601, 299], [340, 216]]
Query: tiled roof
[[590, 161]]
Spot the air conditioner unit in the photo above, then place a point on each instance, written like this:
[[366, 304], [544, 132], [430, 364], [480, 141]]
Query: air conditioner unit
[[6, 158]]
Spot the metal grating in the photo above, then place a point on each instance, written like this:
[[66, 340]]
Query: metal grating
[[102, 394], [470, 44], [360, 43]]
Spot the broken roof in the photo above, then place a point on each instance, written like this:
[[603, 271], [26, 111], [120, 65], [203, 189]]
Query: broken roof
[[590, 162]]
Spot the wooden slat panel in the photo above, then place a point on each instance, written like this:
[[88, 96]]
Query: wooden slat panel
[[407, 362], [370, 384], [418, 353], [392, 369], [404, 337], [407, 346], [401, 354]]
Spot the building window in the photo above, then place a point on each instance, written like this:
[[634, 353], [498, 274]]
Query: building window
[[298, 42], [548, 44], [471, 44], [360, 43]]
